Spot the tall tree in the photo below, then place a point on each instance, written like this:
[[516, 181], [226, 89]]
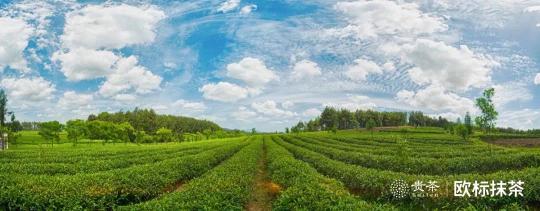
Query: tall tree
[[468, 123], [486, 121], [329, 118], [370, 125], [3, 108], [50, 131], [76, 130]]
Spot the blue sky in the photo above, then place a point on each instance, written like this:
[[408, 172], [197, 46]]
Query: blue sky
[[268, 64]]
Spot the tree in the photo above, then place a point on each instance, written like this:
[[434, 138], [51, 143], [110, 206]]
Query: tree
[[140, 137], [50, 131], [486, 121], [206, 132], [370, 125], [164, 135], [461, 130], [468, 123], [329, 118], [3, 108], [286, 130], [126, 132], [253, 131], [14, 125], [76, 130]]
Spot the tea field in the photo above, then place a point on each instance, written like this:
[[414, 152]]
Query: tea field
[[349, 170]]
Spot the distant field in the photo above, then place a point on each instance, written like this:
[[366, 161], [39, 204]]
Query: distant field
[[33, 137], [350, 170]]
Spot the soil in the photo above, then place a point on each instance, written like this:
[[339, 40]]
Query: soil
[[264, 191], [524, 142]]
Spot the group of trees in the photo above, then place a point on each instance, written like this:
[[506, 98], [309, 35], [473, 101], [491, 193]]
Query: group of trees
[[138, 126], [332, 119], [149, 121], [485, 121], [13, 126]]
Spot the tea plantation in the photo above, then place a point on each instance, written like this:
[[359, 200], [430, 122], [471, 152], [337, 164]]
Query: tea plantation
[[347, 170]]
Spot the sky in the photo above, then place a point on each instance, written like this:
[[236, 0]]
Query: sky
[[268, 64]]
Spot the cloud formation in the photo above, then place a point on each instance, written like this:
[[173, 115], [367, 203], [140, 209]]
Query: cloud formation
[[14, 37], [28, 89], [224, 92], [436, 98]]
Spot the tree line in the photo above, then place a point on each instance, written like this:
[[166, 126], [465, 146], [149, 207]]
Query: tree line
[[344, 119], [149, 121], [137, 126], [332, 119]]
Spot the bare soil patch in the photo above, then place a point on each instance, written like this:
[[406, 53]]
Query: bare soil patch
[[515, 142], [264, 191], [177, 186]]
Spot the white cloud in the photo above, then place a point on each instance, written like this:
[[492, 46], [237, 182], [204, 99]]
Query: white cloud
[[436, 98], [244, 114], [252, 71], [452, 68], [170, 65], [354, 102], [125, 97], [312, 112], [520, 119], [287, 104], [305, 69], [28, 89], [110, 27], [362, 69], [511, 92], [224, 92], [128, 76], [248, 9], [82, 64], [188, 105], [14, 35], [537, 79], [389, 67], [270, 108], [532, 9], [368, 19], [228, 5], [71, 99]]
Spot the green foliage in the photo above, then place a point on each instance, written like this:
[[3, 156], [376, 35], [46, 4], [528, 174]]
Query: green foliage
[[329, 118], [462, 131], [370, 125], [489, 115], [372, 177], [76, 130], [164, 135], [344, 119], [468, 123], [305, 188], [226, 187], [50, 131], [307, 171], [3, 108], [149, 121], [115, 176], [126, 132], [101, 130]]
